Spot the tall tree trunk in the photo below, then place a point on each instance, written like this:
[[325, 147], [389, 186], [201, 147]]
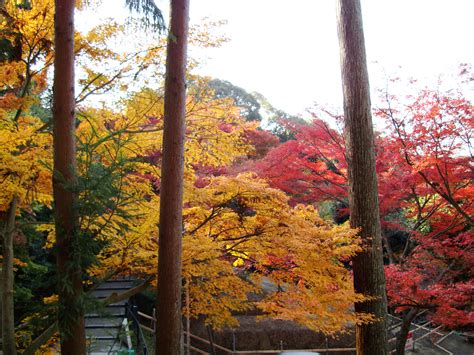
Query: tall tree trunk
[[71, 313], [8, 319], [168, 306], [369, 277]]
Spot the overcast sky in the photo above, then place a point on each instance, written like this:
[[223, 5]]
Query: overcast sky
[[288, 49]]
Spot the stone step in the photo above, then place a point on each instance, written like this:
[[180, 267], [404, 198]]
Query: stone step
[[103, 326], [119, 303], [103, 293], [102, 333], [97, 347], [116, 284], [108, 311], [102, 322]]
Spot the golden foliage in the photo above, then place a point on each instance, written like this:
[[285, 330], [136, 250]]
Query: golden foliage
[[241, 238], [24, 157]]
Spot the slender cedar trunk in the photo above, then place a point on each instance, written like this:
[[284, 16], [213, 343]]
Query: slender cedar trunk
[[168, 337], [369, 278], [8, 319], [71, 313], [405, 329]]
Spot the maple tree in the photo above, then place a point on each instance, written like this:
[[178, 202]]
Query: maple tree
[[26, 156], [242, 235], [423, 164], [433, 139], [311, 167], [220, 211], [242, 217], [23, 144], [217, 137], [231, 222]]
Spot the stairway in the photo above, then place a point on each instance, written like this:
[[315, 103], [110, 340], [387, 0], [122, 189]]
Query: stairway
[[103, 328]]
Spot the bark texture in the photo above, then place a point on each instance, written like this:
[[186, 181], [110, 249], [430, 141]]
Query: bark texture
[[369, 275], [168, 306], [71, 313], [8, 318]]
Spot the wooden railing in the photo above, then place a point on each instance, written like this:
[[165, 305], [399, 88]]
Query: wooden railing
[[152, 327]]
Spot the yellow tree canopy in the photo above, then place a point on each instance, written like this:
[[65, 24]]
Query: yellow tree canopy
[[231, 223], [25, 146]]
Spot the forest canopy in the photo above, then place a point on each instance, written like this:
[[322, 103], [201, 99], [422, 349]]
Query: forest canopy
[[263, 203]]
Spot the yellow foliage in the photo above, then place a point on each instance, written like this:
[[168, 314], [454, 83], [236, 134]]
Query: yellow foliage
[[24, 157], [294, 250], [51, 346], [231, 223], [50, 299], [50, 229]]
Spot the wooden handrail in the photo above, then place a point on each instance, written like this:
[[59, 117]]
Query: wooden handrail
[[241, 351], [146, 316], [209, 343], [42, 339], [196, 349], [144, 327]]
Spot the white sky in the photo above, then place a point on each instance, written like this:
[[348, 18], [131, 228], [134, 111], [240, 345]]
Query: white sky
[[288, 49]]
